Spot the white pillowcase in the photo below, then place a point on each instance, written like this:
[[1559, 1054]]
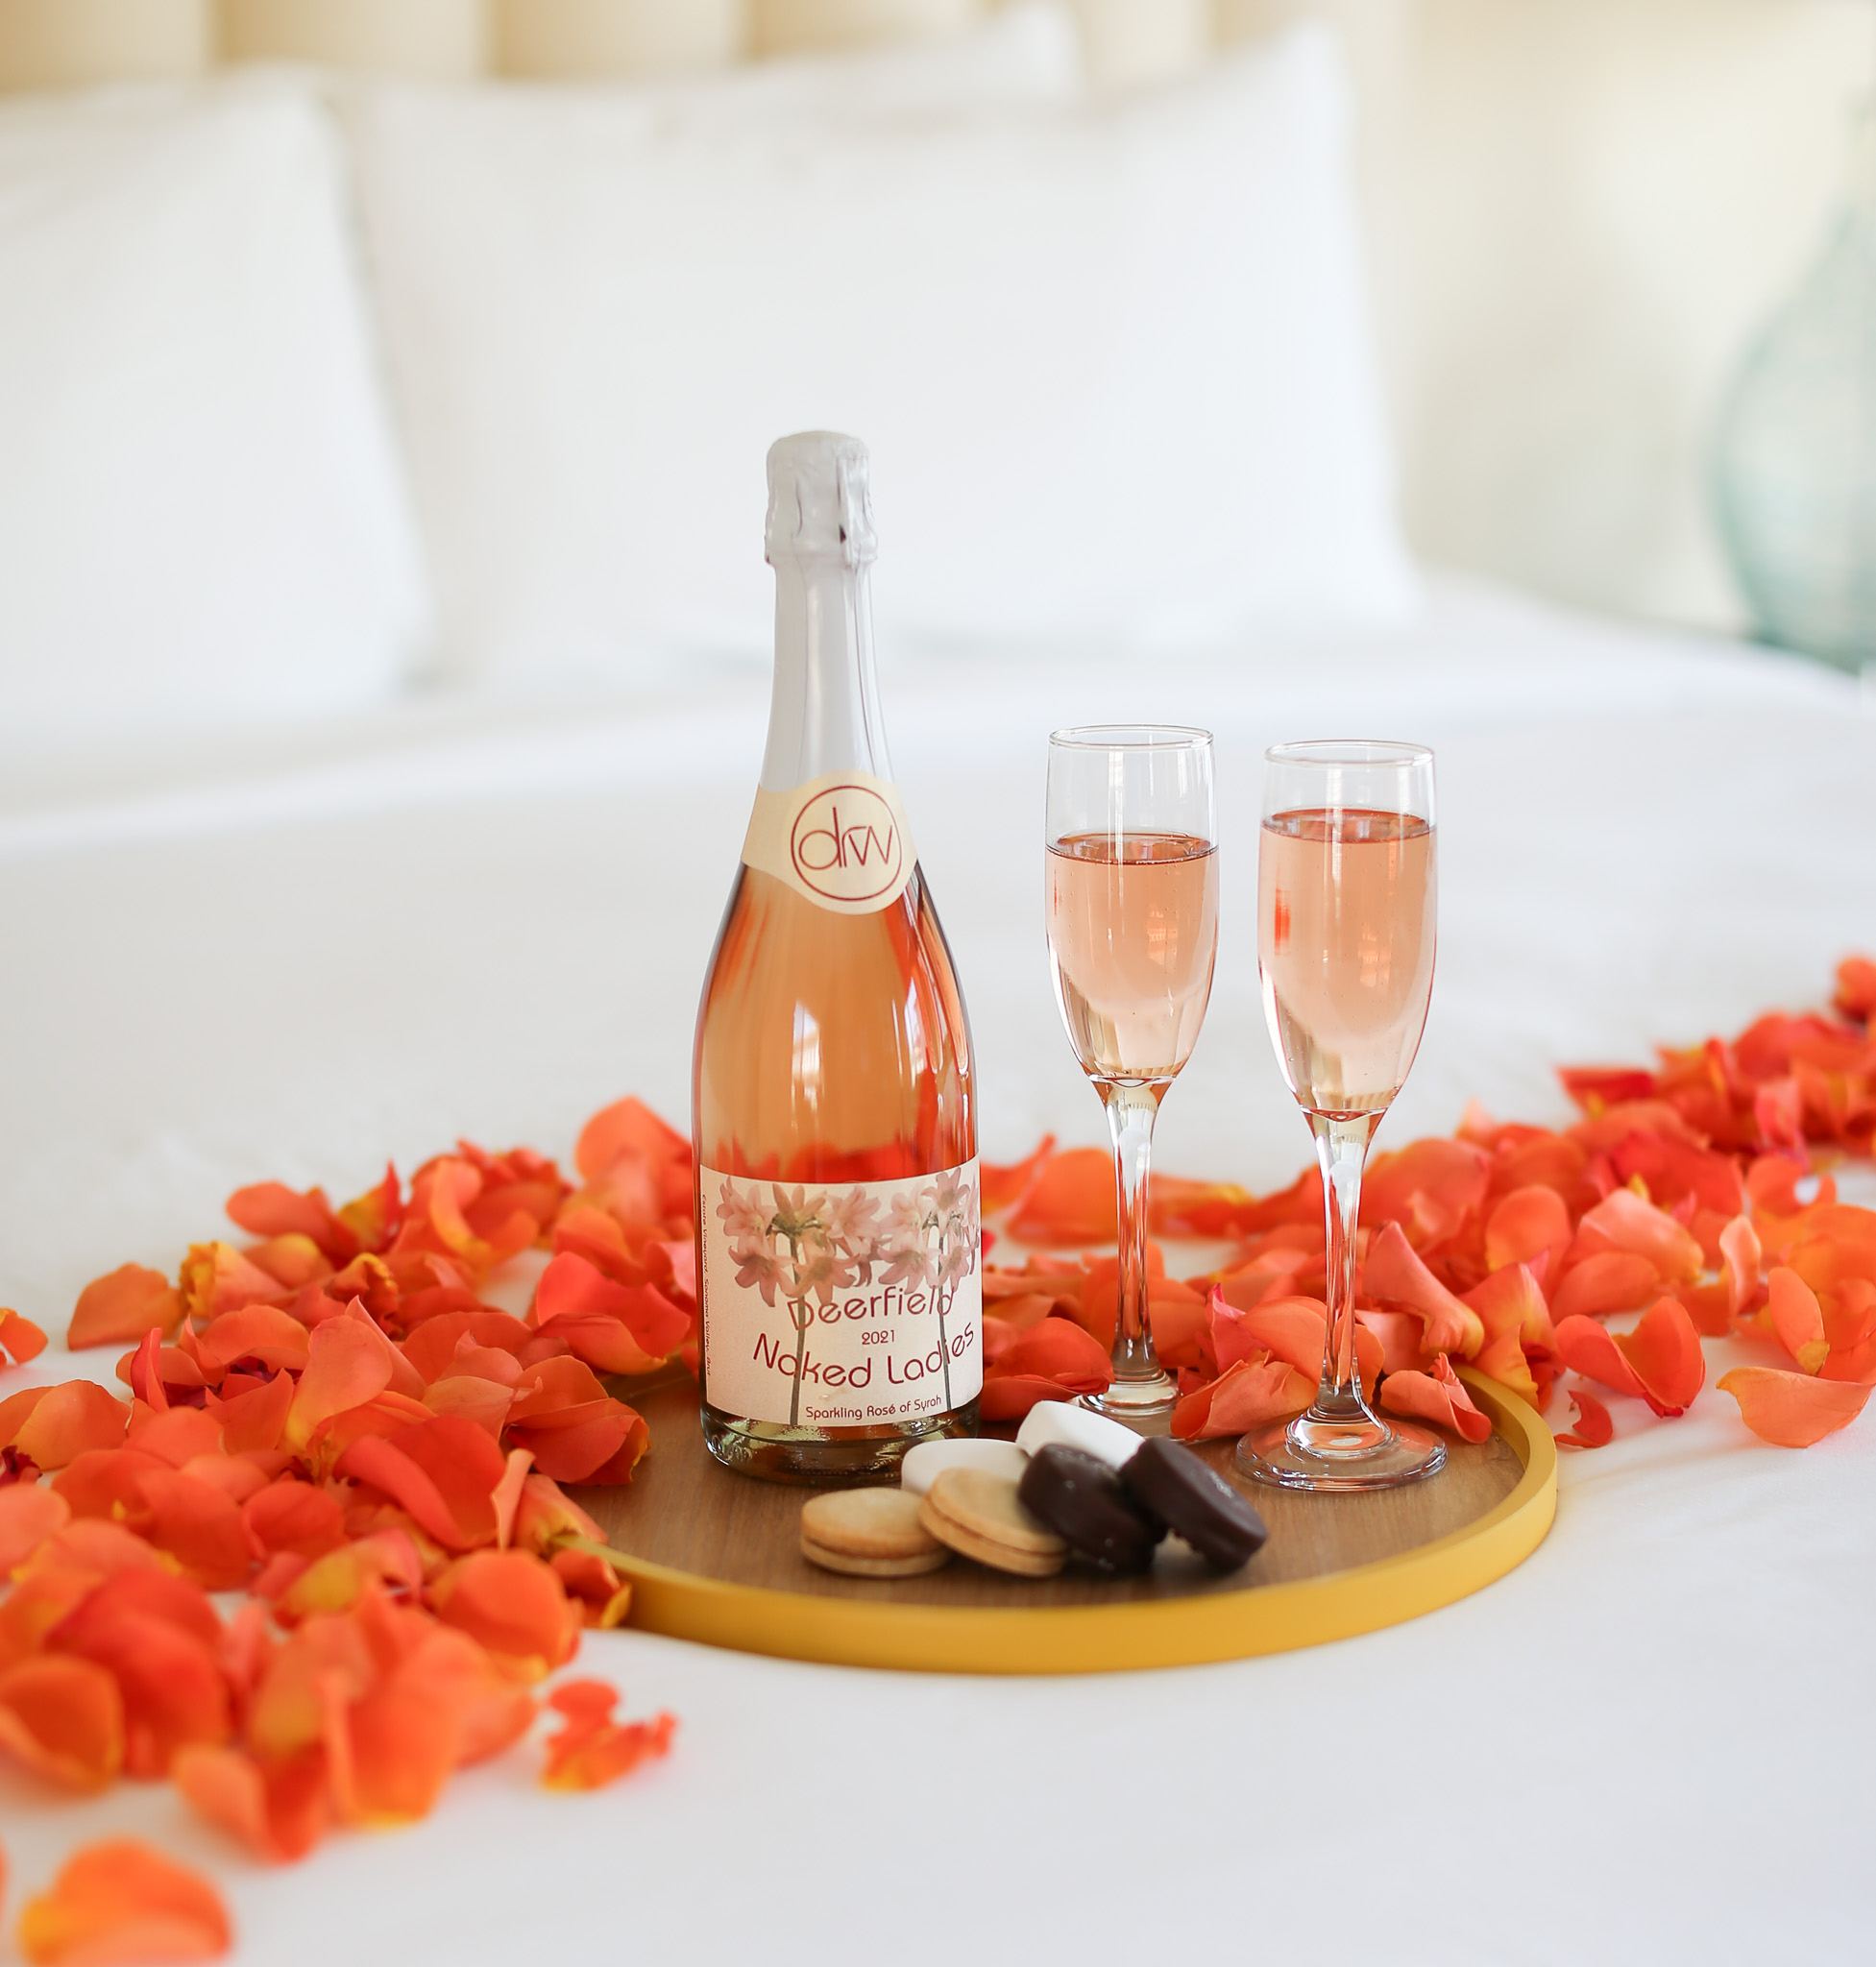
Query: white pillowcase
[[1112, 362], [201, 501]]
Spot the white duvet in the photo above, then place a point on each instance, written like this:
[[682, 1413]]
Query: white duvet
[[291, 958]]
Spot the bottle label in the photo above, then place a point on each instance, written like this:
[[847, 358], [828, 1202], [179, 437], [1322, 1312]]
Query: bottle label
[[842, 841], [853, 1304]]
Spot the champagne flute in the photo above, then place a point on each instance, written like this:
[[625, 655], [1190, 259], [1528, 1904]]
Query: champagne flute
[[1346, 932], [1133, 913]]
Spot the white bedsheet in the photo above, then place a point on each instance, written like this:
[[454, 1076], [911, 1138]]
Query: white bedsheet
[[1650, 1743]]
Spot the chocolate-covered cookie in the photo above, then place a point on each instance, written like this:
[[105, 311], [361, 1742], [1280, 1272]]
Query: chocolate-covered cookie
[[1186, 1493], [1082, 1501]]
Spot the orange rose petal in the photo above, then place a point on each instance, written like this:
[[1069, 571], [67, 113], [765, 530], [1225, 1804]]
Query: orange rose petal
[[1612, 1280], [1528, 1223], [65, 1720], [1588, 1347], [262, 1332], [348, 1364], [1429, 1186], [1250, 1394], [1660, 1362], [1797, 1319], [1011, 1397], [175, 1436], [1072, 1201], [147, 1594], [296, 1516], [236, 1476], [1792, 1410], [91, 1545], [118, 1309], [253, 1422], [506, 1496], [1060, 1350], [465, 1465], [1002, 1183], [1624, 1222], [1856, 990], [572, 1286], [374, 1460], [68, 1420], [433, 1344], [513, 1604], [1597, 1087], [1665, 1350], [1594, 1429], [335, 1582], [1517, 1321], [593, 1749], [172, 1685], [627, 1127], [29, 1514], [20, 1336], [1439, 1396], [1396, 1274], [402, 1742], [270, 1208], [199, 1527], [107, 1483], [604, 1597], [121, 1902], [278, 1809]]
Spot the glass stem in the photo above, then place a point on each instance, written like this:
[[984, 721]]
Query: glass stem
[[1342, 1150], [1133, 1108]]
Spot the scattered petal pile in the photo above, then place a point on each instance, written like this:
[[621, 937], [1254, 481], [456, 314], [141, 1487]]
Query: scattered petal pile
[[333, 1420], [1677, 1197]]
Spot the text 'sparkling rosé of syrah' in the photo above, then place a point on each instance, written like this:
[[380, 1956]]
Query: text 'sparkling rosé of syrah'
[[839, 1228]]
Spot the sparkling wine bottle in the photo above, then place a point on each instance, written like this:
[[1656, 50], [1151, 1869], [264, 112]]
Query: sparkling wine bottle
[[838, 1205]]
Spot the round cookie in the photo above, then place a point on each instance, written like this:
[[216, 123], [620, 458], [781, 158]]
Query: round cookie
[[923, 1465], [1189, 1497], [868, 1533], [979, 1516], [1082, 1500], [1065, 1423]]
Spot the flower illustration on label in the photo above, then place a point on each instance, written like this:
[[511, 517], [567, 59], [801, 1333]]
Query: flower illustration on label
[[846, 844], [804, 1251]]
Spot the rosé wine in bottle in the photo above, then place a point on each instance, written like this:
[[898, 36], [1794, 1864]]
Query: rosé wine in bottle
[[837, 1204]]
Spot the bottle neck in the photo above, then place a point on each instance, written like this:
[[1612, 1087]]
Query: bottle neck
[[824, 715]]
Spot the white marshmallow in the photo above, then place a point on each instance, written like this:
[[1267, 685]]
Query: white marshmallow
[[1062, 1423], [923, 1465]]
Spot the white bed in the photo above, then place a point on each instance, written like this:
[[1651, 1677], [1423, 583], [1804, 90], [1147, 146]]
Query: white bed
[[361, 918], [1651, 1741]]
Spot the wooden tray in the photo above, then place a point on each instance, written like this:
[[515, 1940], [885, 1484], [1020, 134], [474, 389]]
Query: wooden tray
[[714, 1557]]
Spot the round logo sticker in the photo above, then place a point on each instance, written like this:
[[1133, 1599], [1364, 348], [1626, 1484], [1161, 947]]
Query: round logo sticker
[[846, 844]]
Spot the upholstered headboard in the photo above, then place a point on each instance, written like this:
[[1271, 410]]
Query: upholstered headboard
[[53, 42], [1578, 209]]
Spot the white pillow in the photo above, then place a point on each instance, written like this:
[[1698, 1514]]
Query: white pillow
[[1113, 363], [201, 501]]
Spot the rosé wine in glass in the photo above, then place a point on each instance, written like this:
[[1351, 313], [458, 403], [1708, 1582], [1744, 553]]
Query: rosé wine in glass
[[1133, 933], [1346, 914], [1132, 900], [1346, 932]]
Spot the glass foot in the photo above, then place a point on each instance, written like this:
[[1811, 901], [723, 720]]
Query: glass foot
[[1328, 1453], [1145, 1405]]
